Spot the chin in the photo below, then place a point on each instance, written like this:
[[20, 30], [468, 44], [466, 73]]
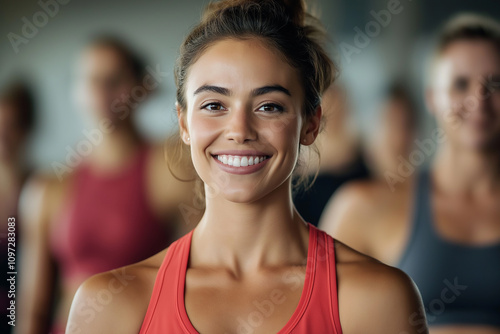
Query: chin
[[240, 195]]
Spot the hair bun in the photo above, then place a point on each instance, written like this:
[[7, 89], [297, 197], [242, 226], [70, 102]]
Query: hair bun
[[296, 10]]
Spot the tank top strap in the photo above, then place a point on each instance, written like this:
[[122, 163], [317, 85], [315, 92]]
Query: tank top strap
[[328, 259], [167, 281], [421, 218]]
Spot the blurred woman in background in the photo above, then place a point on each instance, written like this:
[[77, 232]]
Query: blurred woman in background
[[447, 235], [393, 137], [118, 206], [17, 116], [341, 155]]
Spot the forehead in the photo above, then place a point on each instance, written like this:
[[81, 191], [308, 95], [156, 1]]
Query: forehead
[[241, 65], [469, 58], [101, 57]]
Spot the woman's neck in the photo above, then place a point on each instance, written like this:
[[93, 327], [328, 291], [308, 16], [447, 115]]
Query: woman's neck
[[244, 237], [468, 172], [116, 147]]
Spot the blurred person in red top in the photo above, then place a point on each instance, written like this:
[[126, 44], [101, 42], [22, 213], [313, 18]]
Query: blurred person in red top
[[119, 205]]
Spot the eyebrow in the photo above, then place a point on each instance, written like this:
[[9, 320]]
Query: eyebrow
[[214, 89], [255, 92], [270, 89]]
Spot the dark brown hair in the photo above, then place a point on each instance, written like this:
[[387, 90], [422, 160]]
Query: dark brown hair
[[19, 94], [134, 61]]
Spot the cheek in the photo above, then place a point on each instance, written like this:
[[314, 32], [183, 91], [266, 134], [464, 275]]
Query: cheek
[[284, 134], [448, 106], [202, 133], [447, 102]]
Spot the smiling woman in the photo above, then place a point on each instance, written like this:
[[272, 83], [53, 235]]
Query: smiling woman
[[250, 78]]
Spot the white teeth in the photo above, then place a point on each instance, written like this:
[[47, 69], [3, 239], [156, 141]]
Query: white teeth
[[240, 161]]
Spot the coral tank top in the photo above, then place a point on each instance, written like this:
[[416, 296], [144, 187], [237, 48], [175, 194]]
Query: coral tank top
[[317, 311]]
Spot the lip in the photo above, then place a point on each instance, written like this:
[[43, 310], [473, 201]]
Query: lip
[[240, 170]]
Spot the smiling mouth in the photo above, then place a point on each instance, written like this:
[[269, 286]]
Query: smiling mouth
[[241, 160]]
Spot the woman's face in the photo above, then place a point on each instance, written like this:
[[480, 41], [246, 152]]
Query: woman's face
[[244, 119], [465, 96], [105, 81]]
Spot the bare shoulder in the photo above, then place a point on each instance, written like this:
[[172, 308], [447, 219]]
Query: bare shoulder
[[40, 198], [43, 184], [115, 301], [351, 210], [363, 193], [374, 297], [351, 197]]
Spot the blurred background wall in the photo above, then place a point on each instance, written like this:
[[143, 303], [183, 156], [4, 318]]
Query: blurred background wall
[[372, 49]]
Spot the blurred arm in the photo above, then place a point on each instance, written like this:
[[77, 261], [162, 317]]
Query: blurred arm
[[36, 267]]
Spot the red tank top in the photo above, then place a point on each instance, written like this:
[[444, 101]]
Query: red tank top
[[317, 311], [106, 222]]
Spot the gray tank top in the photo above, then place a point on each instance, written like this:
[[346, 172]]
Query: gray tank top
[[460, 284]]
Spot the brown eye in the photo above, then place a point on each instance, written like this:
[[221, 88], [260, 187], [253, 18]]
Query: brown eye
[[213, 107], [271, 108]]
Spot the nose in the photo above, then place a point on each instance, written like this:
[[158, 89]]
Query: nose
[[240, 127]]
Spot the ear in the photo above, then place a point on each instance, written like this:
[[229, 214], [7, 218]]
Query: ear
[[181, 118], [311, 127]]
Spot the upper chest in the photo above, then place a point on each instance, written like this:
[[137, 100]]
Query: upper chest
[[262, 303], [465, 220]]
